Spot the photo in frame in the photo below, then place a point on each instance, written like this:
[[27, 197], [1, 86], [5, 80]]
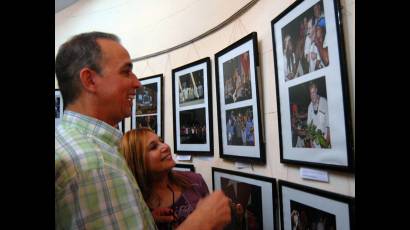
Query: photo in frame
[[192, 108], [255, 194], [303, 207], [311, 79], [184, 167], [121, 126], [148, 105], [241, 135], [58, 107]]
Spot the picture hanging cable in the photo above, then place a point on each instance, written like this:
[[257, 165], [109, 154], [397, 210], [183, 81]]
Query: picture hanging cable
[[242, 26], [233, 33], [189, 51], [167, 63], [196, 50], [147, 65]]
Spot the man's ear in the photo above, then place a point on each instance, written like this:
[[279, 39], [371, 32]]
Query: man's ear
[[87, 78]]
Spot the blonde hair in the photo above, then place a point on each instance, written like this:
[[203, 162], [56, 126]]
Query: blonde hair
[[133, 146]]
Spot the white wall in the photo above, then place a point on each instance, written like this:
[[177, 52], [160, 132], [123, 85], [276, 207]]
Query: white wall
[[257, 19]]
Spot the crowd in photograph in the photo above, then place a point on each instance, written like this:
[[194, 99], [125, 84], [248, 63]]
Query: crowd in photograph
[[240, 128], [191, 91], [307, 49], [193, 133], [147, 121], [238, 84], [144, 99]]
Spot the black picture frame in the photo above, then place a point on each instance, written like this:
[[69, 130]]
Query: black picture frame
[[257, 194], [192, 108], [58, 107], [148, 107], [313, 206], [309, 60], [184, 167], [239, 99]]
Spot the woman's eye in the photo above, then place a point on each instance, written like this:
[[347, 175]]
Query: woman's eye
[[154, 146]]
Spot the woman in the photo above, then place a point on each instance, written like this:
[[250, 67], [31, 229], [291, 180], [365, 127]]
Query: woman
[[165, 191]]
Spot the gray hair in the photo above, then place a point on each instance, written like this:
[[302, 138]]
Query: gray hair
[[77, 53]]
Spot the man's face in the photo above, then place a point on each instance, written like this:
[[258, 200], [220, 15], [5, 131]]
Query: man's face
[[305, 22], [313, 94], [316, 10], [116, 83]]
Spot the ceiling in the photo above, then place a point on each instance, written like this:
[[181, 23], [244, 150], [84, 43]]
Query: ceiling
[[61, 4], [144, 26]]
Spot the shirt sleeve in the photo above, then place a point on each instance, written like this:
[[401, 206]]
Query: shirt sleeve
[[104, 198]]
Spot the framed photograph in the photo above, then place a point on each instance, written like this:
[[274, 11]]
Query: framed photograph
[[255, 194], [192, 100], [148, 105], [311, 79], [241, 135], [303, 207], [184, 167], [58, 106]]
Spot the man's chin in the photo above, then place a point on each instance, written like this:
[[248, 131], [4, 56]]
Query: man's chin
[[127, 114]]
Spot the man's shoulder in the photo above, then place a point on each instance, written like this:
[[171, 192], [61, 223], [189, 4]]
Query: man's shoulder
[[76, 151], [323, 101]]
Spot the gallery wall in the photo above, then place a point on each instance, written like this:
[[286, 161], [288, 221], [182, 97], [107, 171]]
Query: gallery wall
[[171, 30]]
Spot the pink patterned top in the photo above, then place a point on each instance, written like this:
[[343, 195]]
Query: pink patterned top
[[186, 203]]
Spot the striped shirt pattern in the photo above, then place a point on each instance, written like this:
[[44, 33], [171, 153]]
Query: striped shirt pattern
[[94, 188]]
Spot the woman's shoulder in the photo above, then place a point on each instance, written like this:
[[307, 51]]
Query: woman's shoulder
[[191, 176], [197, 182]]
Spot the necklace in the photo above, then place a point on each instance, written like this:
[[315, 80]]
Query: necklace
[[173, 196], [171, 224]]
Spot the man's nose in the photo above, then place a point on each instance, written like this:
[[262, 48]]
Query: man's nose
[[136, 83]]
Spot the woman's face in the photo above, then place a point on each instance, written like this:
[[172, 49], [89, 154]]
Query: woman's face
[[158, 157]]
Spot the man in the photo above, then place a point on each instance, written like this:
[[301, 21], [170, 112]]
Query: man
[[318, 114], [290, 59], [311, 51], [94, 189], [321, 44], [318, 14]]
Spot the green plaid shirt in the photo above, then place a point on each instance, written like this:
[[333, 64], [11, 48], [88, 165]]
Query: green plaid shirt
[[94, 189]]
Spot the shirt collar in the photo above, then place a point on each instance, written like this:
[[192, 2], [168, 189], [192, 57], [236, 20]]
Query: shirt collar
[[92, 127]]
